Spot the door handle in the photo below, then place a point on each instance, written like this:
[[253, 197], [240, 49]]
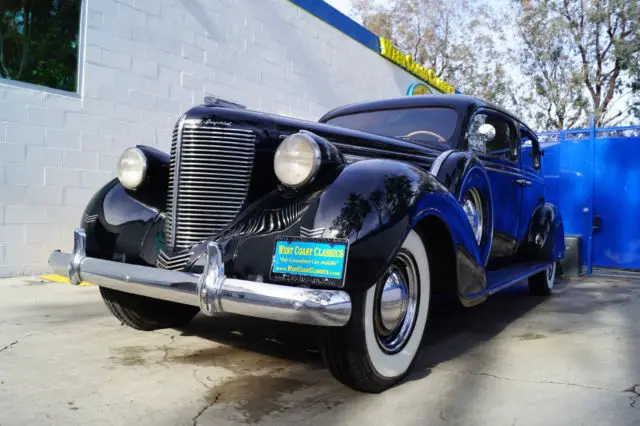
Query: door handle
[[522, 182], [597, 223]]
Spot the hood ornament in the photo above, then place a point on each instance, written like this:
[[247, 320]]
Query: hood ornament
[[218, 102]]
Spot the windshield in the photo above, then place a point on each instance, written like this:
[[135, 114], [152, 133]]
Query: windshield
[[415, 124]]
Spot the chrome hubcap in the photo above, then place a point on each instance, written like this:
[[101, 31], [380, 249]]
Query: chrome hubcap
[[396, 303], [393, 301]]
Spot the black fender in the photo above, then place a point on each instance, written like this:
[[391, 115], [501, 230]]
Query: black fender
[[126, 225], [544, 239], [121, 227], [375, 204]]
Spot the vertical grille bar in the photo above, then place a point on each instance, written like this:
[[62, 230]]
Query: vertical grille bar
[[174, 179]]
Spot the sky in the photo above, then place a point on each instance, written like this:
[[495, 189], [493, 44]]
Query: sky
[[344, 6]]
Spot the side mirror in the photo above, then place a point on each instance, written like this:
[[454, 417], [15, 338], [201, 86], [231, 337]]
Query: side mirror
[[478, 140]]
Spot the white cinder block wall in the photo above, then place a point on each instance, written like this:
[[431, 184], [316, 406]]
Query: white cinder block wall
[[145, 62]]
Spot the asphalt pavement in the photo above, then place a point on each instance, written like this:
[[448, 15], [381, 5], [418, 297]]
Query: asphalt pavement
[[572, 359]]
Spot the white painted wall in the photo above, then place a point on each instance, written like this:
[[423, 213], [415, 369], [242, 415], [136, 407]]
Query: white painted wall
[[145, 62]]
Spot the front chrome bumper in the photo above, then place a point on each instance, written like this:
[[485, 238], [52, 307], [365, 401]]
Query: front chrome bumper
[[211, 291]]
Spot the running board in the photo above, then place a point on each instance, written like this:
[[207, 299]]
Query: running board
[[504, 277]]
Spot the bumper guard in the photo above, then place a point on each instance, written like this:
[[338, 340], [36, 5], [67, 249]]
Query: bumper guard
[[211, 291]]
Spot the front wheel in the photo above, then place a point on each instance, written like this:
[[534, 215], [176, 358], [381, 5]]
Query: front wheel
[[378, 346], [145, 313]]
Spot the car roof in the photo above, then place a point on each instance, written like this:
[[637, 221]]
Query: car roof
[[462, 103]]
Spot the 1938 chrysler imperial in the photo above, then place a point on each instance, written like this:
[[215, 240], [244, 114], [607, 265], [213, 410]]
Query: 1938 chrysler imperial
[[349, 224]]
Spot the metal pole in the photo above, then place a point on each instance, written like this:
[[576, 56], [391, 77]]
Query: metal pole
[[592, 171]]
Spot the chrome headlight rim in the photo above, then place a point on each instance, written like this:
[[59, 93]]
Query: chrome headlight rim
[[473, 208], [144, 167], [315, 166]]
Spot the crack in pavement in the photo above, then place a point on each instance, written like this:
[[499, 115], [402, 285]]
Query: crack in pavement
[[9, 346], [165, 357], [538, 382], [205, 408], [635, 398]]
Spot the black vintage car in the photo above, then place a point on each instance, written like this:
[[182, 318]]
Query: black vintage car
[[349, 224]]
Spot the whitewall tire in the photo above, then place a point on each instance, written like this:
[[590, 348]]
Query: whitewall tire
[[542, 283], [378, 346]]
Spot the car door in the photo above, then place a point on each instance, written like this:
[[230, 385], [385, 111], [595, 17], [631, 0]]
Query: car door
[[532, 180], [501, 157]]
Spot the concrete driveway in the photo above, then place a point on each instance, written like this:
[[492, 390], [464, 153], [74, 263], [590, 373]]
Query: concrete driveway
[[573, 359]]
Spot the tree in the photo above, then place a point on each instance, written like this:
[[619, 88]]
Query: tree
[[581, 55], [456, 39], [544, 55], [39, 41], [605, 33]]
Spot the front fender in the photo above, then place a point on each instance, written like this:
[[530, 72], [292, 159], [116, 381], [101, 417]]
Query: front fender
[[120, 227], [375, 203]]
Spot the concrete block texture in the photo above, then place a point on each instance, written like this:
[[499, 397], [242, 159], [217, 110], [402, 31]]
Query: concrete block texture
[[145, 63]]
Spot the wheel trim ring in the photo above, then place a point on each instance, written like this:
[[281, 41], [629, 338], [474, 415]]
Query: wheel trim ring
[[474, 196], [394, 341], [551, 274]]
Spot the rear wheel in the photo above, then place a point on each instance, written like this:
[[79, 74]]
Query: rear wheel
[[378, 346], [541, 283], [145, 313]]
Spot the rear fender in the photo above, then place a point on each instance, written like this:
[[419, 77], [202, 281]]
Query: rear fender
[[544, 239]]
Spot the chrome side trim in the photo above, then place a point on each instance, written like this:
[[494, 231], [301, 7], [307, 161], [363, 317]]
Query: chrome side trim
[[175, 261], [311, 232], [504, 168], [90, 218], [437, 163], [381, 153], [352, 158], [212, 291], [503, 171]]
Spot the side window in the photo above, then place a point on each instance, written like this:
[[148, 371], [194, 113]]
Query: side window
[[530, 152], [493, 136]]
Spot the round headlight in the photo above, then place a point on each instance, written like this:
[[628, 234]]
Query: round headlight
[[132, 168], [297, 160]]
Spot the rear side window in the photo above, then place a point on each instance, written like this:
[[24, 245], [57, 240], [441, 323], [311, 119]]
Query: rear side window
[[530, 152], [415, 124]]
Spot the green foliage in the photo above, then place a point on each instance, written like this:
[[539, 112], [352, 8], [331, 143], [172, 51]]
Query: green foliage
[[578, 54], [39, 42], [457, 39], [552, 77], [567, 59]]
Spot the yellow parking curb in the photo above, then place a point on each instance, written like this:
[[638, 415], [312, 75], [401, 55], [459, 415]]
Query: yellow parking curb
[[64, 280]]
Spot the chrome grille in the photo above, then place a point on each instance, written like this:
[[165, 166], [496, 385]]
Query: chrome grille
[[208, 182]]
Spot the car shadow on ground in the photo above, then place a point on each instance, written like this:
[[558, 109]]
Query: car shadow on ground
[[452, 330]]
